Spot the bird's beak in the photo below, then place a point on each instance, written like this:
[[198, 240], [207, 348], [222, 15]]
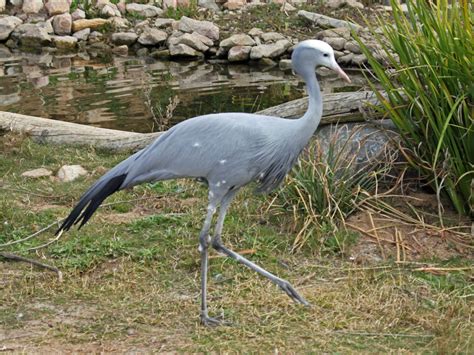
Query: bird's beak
[[340, 72]]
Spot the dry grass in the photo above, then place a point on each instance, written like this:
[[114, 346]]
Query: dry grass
[[132, 284]]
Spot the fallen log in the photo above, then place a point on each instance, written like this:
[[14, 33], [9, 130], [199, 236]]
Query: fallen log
[[338, 107]]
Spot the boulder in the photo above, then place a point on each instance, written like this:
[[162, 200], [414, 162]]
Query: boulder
[[239, 53], [152, 36], [37, 173], [121, 50], [127, 38], [163, 22], [271, 37], [193, 40], [209, 4], [82, 35], [69, 173], [345, 59], [65, 43], [235, 4], [343, 32], [93, 24], [56, 7], [337, 43], [255, 32], [272, 50], [353, 47], [119, 23], [326, 21], [7, 25], [337, 4], [62, 24], [183, 50], [110, 10], [359, 59], [78, 14], [237, 40], [287, 7], [95, 37], [32, 6], [2, 5], [16, 3], [34, 37], [204, 28], [285, 64], [144, 10]]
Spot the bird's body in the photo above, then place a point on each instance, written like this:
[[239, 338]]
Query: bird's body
[[228, 151]]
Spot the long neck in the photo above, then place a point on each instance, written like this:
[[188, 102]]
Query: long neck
[[310, 120]]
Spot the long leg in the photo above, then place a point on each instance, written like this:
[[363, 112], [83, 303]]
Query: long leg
[[217, 244], [203, 248]]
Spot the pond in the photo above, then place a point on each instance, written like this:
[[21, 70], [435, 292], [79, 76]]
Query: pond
[[142, 95]]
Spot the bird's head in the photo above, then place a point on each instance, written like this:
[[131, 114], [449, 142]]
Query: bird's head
[[310, 54]]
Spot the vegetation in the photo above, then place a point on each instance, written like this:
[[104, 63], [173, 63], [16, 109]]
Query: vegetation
[[131, 275], [431, 92]]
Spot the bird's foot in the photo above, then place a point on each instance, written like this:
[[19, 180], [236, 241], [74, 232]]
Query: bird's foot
[[213, 322], [292, 293]]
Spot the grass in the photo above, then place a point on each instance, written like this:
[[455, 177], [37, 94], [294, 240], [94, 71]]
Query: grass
[[131, 276], [430, 93]]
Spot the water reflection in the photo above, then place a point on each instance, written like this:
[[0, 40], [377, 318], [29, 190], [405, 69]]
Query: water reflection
[[122, 93]]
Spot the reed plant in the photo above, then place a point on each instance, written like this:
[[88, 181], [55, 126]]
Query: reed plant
[[430, 91]]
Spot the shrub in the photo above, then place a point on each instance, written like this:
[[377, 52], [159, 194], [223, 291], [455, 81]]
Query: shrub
[[430, 92]]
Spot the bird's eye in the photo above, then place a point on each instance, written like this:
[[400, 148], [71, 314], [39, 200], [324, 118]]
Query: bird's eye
[[325, 55]]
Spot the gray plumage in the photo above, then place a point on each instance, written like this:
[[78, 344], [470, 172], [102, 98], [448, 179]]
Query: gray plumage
[[228, 150]]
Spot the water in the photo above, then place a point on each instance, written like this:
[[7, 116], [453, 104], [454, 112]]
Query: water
[[137, 94]]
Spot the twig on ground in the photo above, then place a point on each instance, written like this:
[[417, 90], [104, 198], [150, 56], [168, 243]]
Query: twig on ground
[[15, 257], [30, 236]]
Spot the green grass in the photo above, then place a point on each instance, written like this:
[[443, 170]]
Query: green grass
[[430, 92], [131, 276]]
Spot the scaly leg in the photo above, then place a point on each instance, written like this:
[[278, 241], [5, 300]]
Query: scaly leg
[[217, 244]]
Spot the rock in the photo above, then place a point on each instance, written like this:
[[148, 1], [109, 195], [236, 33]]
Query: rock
[[144, 10], [359, 59], [285, 64], [239, 53], [37, 173], [237, 40], [337, 4], [7, 25], [47, 25], [88, 23], [209, 4], [204, 28], [78, 14], [110, 10], [288, 7], [70, 172], [182, 50], [127, 38], [95, 37], [16, 3], [343, 32], [163, 22], [267, 62], [142, 52], [353, 47], [235, 4], [160, 54], [32, 6], [82, 35], [67, 43], [56, 7], [192, 40], [326, 21], [35, 37], [271, 36], [255, 32], [2, 5], [345, 59], [152, 36], [121, 50], [336, 43], [272, 50], [62, 24], [119, 23]]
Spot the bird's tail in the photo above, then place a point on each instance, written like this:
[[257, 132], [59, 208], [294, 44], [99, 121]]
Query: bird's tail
[[91, 200]]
